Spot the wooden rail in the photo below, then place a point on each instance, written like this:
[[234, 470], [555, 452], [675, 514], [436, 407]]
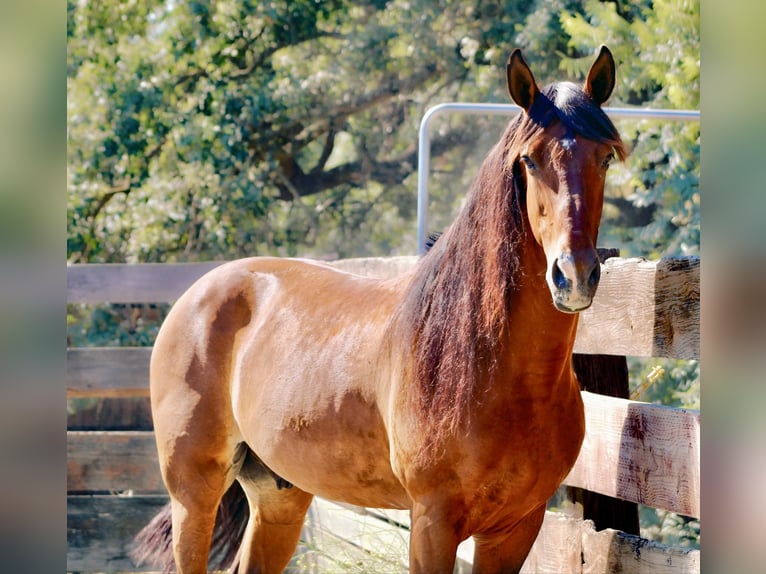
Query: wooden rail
[[633, 451], [642, 308], [639, 452]]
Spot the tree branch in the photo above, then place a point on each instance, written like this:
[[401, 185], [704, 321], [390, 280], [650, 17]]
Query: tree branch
[[391, 86], [298, 133], [329, 145], [294, 181], [123, 187]]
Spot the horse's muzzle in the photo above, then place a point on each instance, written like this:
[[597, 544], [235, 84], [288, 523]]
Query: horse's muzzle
[[573, 280]]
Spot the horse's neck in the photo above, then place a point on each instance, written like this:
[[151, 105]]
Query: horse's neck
[[542, 334]]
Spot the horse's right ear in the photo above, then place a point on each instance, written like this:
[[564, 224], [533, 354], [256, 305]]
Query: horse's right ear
[[600, 81], [521, 83]]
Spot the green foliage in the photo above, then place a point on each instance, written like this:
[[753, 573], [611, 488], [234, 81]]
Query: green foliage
[[669, 528], [201, 131], [672, 382], [134, 325], [656, 46], [219, 130]]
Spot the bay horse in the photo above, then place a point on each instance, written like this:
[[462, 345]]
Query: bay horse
[[447, 391]]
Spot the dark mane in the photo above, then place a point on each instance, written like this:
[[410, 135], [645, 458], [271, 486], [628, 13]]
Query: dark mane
[[457, 306]]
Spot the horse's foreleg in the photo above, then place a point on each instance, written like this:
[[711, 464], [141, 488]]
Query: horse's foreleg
[[505, 552], [274, 527], [434, 538]]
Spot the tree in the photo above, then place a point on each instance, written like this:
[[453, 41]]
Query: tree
[[656, 45], [201, 130], [204, 130], [216, 130]]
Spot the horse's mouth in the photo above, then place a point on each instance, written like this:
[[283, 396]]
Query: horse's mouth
[[564, 302], [567, 309]]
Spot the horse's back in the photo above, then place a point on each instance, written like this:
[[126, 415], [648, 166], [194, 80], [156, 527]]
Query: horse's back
[[260, 314]]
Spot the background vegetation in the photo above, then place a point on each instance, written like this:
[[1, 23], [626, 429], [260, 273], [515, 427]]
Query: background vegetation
[[215, 130], [202, 130]]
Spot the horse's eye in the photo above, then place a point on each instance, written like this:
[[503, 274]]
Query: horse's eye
[[529, 162], [607, 160]]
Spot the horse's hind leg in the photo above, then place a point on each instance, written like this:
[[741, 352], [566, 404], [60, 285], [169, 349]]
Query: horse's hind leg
[[197, 473], [276, 520], [196, 443], [190, 383]]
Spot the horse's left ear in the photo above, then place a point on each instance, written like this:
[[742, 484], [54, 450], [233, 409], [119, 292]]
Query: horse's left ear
[[600, 81]]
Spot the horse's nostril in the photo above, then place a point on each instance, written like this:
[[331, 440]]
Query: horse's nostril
[[559, 279], [595, 275]]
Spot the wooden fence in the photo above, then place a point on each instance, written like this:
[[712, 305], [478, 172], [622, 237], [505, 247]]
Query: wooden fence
[[633, 451]]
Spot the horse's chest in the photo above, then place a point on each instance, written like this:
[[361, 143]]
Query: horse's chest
[[531, 447]]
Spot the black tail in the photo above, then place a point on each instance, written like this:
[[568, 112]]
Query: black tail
[[154, 544]]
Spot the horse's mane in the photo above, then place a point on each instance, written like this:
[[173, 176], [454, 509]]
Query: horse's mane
[[457, 305]]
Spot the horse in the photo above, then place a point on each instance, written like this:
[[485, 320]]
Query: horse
[[447, 391]]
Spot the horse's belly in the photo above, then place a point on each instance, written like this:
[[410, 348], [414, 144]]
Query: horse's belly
[[363, 483], [331, 443], [342, 462]]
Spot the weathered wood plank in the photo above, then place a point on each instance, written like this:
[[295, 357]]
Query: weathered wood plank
[[677, 311], [568, 544], [644, 308], [558, 547], [113, 461], [639, 452], [382, 267], [140, 283], [109, 413], [100, 530], [108, 371], [165, 282], [610, 551], [644, 453]]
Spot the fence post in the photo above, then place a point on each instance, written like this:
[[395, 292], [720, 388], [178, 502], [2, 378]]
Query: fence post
[[606, 375]]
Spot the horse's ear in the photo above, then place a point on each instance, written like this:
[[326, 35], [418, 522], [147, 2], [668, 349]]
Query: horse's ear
[[521, 83], [600, 81]]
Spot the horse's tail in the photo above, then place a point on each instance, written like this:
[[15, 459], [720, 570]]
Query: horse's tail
[[154, 543]]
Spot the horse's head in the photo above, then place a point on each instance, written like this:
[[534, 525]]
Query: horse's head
[[560, 162]]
